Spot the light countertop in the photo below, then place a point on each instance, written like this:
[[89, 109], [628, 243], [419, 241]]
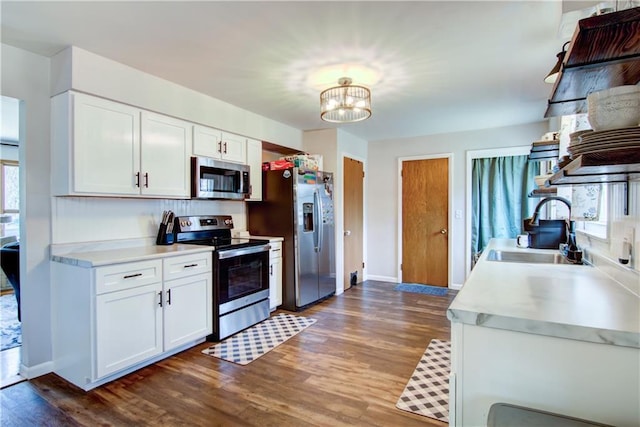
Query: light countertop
[[269, 238], [567, 301], [99, 258]]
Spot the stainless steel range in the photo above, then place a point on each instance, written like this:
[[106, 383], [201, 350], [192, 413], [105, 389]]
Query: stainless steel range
[[240, 272]]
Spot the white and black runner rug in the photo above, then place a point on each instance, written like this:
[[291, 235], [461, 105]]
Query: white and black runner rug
[[427, 392], [252, 343]]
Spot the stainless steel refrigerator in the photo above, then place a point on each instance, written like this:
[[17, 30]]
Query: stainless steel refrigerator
[[298, 205]]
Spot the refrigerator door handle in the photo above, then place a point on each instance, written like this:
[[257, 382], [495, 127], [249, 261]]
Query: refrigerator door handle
[[320, 222], [316, 222]]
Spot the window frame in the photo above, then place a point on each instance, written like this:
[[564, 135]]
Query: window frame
[[3, 165]]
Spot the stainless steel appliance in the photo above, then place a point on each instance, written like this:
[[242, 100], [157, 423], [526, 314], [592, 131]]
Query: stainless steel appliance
[[298, 205], [240, 272], [216, 179]]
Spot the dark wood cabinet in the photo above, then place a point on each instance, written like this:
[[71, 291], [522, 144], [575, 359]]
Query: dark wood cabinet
[[604, 52]]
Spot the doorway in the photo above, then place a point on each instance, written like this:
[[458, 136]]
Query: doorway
[[10, 324], [353, 172], [424, 220]]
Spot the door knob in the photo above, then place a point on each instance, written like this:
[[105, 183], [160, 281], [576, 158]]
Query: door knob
[[347, 232], [443, 231]]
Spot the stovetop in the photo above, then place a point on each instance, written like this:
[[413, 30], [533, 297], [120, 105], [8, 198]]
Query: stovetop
[[211, 230], [222, 243]]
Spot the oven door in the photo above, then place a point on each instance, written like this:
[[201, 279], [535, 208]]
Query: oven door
[[241, 277]]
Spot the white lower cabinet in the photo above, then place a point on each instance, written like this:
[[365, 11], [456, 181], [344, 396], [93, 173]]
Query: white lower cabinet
[[188, 299], [593, 381], [128, 328], [275, 275], [111, 320]]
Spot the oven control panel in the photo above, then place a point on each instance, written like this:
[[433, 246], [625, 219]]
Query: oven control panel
[[203, 223]]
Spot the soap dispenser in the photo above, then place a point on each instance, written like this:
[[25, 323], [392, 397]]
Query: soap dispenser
[[625, 253]]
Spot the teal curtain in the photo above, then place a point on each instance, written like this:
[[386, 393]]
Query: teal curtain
[[500, 188]]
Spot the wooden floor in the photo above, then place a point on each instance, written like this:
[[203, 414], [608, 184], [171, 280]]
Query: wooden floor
[[349, 368]]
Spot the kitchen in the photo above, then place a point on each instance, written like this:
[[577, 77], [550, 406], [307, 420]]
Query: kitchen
[[73, 219]]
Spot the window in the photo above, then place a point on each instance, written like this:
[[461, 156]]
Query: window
[[9, 198], [597, 228]]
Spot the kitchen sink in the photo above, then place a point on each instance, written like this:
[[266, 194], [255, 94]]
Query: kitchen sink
[[527, 257]]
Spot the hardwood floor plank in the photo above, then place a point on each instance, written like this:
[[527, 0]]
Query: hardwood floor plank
[[347, 369]]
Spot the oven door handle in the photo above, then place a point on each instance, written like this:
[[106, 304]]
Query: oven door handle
[[243, 251]]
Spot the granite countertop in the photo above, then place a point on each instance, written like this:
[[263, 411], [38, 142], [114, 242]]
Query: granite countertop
[[566, 301], [99, 258]]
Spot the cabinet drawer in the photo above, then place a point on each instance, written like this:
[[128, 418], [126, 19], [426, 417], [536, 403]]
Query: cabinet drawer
[[186, 265], [129, 275], [276, 250]]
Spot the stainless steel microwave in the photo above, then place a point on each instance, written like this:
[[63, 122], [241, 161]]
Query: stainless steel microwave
[[216, 179]]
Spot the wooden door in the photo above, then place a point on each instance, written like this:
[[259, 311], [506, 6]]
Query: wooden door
[[425, 213], [353, 219]]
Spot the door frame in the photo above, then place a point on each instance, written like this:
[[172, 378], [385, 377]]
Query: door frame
[[340, 228], [449, 157], [471, 156]]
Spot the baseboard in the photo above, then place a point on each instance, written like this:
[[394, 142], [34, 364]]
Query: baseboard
[[382, 278], [36, 371], [456, 286]]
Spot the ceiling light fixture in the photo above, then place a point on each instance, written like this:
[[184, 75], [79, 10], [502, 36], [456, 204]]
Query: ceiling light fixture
[[345, 103], [553, 74]]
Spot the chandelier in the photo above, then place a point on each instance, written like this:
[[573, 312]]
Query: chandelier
[[345, 103]]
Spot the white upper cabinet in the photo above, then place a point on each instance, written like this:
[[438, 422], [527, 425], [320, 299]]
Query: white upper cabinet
[[234, 148], [164, 156], [254, 160], [100, 147], [214, 143], [106, 146], [207, 142]]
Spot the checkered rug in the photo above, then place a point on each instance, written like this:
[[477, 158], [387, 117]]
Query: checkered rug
[[427, 392], [252, 343]]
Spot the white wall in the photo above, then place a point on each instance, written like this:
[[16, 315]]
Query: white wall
[[382, 189], [25, 76]]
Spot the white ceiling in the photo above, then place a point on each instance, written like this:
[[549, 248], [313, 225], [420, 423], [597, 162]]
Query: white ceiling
[[443, 65]]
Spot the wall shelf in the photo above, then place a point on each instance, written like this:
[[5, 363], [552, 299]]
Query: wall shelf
[[601, 167], [543, 192], [604, 52], [544, 150]]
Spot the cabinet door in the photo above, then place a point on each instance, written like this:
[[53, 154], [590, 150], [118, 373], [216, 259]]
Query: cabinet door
[[207, 142], [234, 148], [128, 328], [165, 156], [275, 282], [106, 146], [188, 310], [254, 160]]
